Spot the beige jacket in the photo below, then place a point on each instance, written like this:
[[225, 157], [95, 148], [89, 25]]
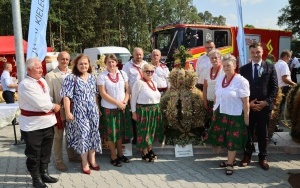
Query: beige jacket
[[55, 83]]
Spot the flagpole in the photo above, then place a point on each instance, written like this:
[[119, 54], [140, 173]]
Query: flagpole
[[17, 25]]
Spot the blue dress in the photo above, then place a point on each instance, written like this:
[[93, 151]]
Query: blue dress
[[82, 133]]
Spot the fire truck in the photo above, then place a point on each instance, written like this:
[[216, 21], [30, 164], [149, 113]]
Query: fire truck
[[168, 38]]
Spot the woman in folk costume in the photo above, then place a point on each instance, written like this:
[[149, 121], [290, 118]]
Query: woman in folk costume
[[114, 123], [145, 109]]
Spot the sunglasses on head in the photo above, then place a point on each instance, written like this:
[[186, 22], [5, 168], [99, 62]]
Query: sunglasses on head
[[148, 71]]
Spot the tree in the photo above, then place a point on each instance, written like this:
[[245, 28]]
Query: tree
[[209, 19], [289, 17], [249, 26]]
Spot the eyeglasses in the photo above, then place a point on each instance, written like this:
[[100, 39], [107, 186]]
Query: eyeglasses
[[209, 47], [148, 71]]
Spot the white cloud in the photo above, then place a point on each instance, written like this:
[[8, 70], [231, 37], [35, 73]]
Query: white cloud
[[252, 1], [223, 2]]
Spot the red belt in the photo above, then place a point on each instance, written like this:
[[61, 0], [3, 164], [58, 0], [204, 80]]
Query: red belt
[[32, 113], [162, 89]]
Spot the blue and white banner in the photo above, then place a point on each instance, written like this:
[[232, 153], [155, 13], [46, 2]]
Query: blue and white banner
[[37, 45], [241, 43]]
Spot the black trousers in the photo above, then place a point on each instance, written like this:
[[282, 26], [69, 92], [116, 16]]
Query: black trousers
[[38, 147], [294, 75], [8, 96], [258, 121]]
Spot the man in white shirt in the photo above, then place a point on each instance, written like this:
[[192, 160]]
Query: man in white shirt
[[284, 76], [55, 80], [294, 68], [8, 85], [36, 122], [9, 89], [133, 69], [161, 71], [203, 63]]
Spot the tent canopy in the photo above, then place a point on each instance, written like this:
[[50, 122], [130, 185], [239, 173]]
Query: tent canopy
[[7, 45]]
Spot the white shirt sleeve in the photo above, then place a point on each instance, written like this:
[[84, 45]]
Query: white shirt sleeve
[[137, 86], [244, 88]]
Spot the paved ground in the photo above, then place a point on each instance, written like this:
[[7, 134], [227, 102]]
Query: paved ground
[[199, 171]]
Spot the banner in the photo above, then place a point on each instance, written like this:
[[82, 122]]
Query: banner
[[37, 45], [241, 43]]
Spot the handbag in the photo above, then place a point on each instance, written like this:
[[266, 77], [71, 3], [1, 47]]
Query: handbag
[[71, 100]]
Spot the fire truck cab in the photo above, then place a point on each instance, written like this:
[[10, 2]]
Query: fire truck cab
[[168, 38]]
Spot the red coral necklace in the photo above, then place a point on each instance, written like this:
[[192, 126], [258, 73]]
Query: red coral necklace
[[213, 76], [113, 80], [138, 68], [227, 83], [152, 87]]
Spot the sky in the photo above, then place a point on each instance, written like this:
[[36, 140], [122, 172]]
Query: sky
[[259, 13]]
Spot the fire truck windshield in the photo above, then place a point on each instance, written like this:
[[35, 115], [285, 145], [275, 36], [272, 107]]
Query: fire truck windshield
[[163, 40]]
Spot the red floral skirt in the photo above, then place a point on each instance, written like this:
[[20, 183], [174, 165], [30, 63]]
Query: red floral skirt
[[227, 131], [149, 125], [115, 124]]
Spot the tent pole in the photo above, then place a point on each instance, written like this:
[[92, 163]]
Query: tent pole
[[20, 58]]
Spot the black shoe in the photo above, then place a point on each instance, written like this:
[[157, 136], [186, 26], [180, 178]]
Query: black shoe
[[37, 182], [152, 154], [115, 162], [147, 158], [45, 176], [123, 159], [48, 179]]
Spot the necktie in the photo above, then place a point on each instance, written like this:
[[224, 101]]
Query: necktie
[[42, 85], [255, 72]]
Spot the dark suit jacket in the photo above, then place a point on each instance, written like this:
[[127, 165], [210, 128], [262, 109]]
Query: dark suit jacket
[[265, 89]]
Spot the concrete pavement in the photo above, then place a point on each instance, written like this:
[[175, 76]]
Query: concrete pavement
[[202, 170]]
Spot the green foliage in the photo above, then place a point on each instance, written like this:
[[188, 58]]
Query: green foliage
[[289, 17], [249, 26], [209, 19], [182, 54], [75, 25]]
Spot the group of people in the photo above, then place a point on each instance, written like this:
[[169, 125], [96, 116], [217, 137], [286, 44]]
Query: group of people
[[124, 104], [86, 106], [240, 104]]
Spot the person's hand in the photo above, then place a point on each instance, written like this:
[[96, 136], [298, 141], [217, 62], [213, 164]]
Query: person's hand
[[246, 119], [121, 105], [56, 108], [260, 105], [134, 116], [69, 116], [253, 105]]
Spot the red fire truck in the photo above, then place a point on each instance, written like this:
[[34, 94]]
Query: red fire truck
[[168, 38]]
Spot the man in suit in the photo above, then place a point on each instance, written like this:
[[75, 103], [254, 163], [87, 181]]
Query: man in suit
[[55, 80], [263, 90]]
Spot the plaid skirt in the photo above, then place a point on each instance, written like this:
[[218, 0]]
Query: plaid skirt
[[149, 125], [227, 131], [115, 124]]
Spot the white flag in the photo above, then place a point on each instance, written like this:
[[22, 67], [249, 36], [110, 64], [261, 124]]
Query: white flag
[[37, 45], [241, 43]]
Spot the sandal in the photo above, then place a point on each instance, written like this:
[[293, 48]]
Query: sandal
[[115, 162], [229, 169], [124, 159], [152, 154], [147, 158], [224, 164]]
